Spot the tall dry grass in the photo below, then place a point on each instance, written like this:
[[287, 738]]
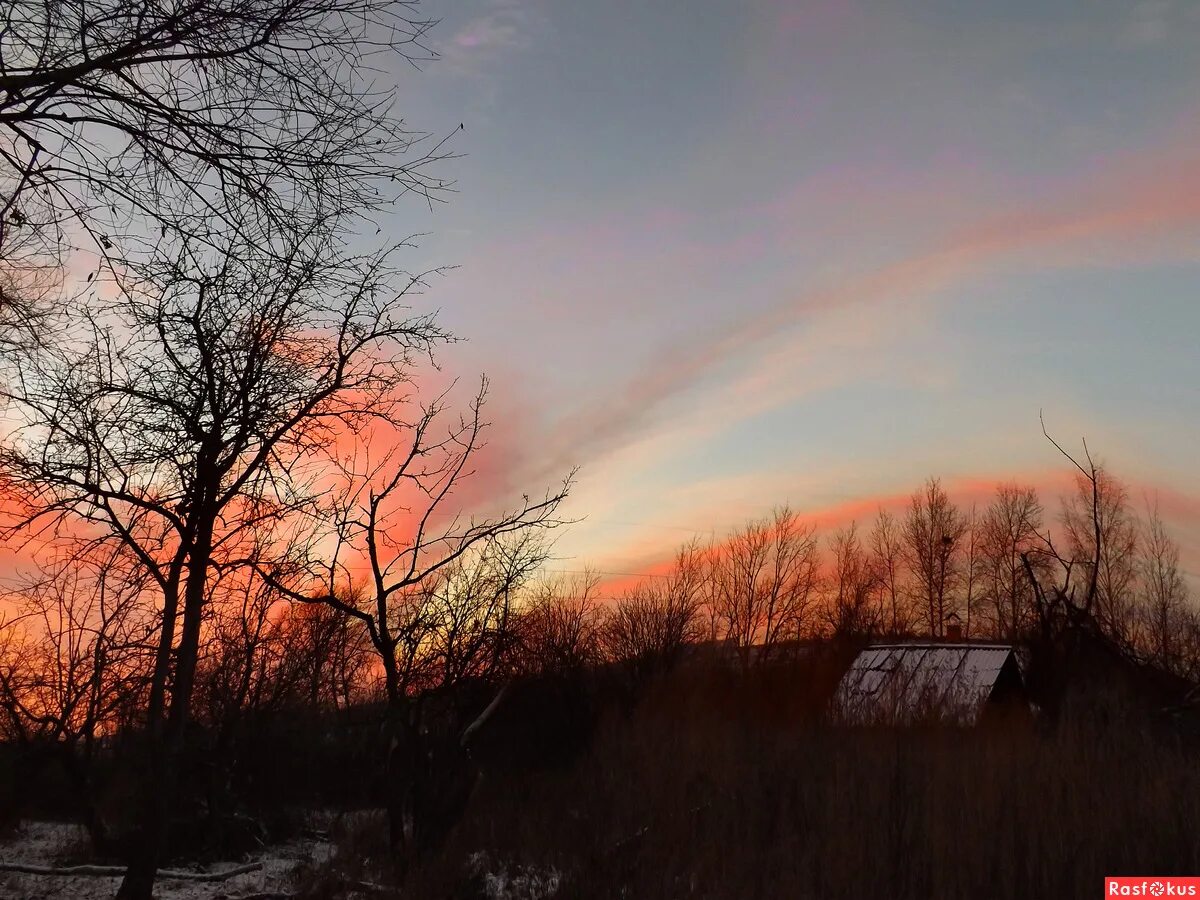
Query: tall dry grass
[[716, 788]]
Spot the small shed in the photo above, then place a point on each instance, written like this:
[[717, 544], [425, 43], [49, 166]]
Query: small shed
[[963, 683]]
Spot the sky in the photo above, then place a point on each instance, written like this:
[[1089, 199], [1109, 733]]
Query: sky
[[726, 255]]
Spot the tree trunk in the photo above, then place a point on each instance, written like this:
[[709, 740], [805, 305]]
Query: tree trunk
[[138, 883], [165, 752], [145, 844], [399, 771]]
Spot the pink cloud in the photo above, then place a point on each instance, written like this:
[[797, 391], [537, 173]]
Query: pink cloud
[[1076, 226]]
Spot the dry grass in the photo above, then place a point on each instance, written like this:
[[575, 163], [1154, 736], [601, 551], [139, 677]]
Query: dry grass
[[723, 792], [361, 860]]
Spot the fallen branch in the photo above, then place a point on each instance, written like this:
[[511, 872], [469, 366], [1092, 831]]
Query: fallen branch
[[119, 871]]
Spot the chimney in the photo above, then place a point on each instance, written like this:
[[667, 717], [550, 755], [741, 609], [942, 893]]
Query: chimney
[[953, 627]]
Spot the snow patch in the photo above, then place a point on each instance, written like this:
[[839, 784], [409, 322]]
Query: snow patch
[[502, 882], [62, 843]]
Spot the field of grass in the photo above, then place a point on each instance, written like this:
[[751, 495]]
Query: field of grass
[[724, 793]]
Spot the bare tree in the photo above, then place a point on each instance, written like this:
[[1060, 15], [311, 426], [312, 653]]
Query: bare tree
[[183, 418], [652, 623], [1057, 605], [972, 565], [1164, 595], [933, 530], [76, 665], [764, 584], [15, 672], [239, 654], [438, 600], [84, 628], [332, 653], [1011, 526], [887, 558], [261, 654], [461, 620], [1074, 625], [1100, 503], [126, 121], [853, 584], [559, 627]]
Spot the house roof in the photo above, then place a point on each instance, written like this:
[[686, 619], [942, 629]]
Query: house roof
[[896, 683]]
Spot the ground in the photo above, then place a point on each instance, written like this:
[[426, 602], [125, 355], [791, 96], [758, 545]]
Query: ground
[[58, 844]]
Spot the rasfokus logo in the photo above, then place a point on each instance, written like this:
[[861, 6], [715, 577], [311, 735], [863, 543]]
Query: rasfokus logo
[[1151, 886]]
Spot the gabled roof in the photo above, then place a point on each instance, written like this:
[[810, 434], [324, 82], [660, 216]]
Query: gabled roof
[[898, 683]]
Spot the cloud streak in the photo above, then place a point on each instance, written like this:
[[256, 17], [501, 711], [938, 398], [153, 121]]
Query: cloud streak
[[1076, 226]]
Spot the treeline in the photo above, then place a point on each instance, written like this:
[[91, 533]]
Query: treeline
[[776, 582], [373, 684], [77, 660]]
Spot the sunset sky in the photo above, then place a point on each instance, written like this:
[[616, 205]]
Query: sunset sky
[[726, 255]]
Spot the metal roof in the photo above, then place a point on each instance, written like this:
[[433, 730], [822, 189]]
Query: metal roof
[[898, 683]]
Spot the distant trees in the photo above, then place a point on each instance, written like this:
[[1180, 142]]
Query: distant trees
[[332, 655], [1011, 528], [560, 627], [853, 586], [262, 655], [652, 624], [1168, 623], [774, 581], [1101, 537], [74, 666], [361, 587], [242, 669], [933, 529], [765, 578], [887, 558]]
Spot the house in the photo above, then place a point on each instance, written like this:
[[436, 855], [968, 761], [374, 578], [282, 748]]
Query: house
[[948, 681]]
